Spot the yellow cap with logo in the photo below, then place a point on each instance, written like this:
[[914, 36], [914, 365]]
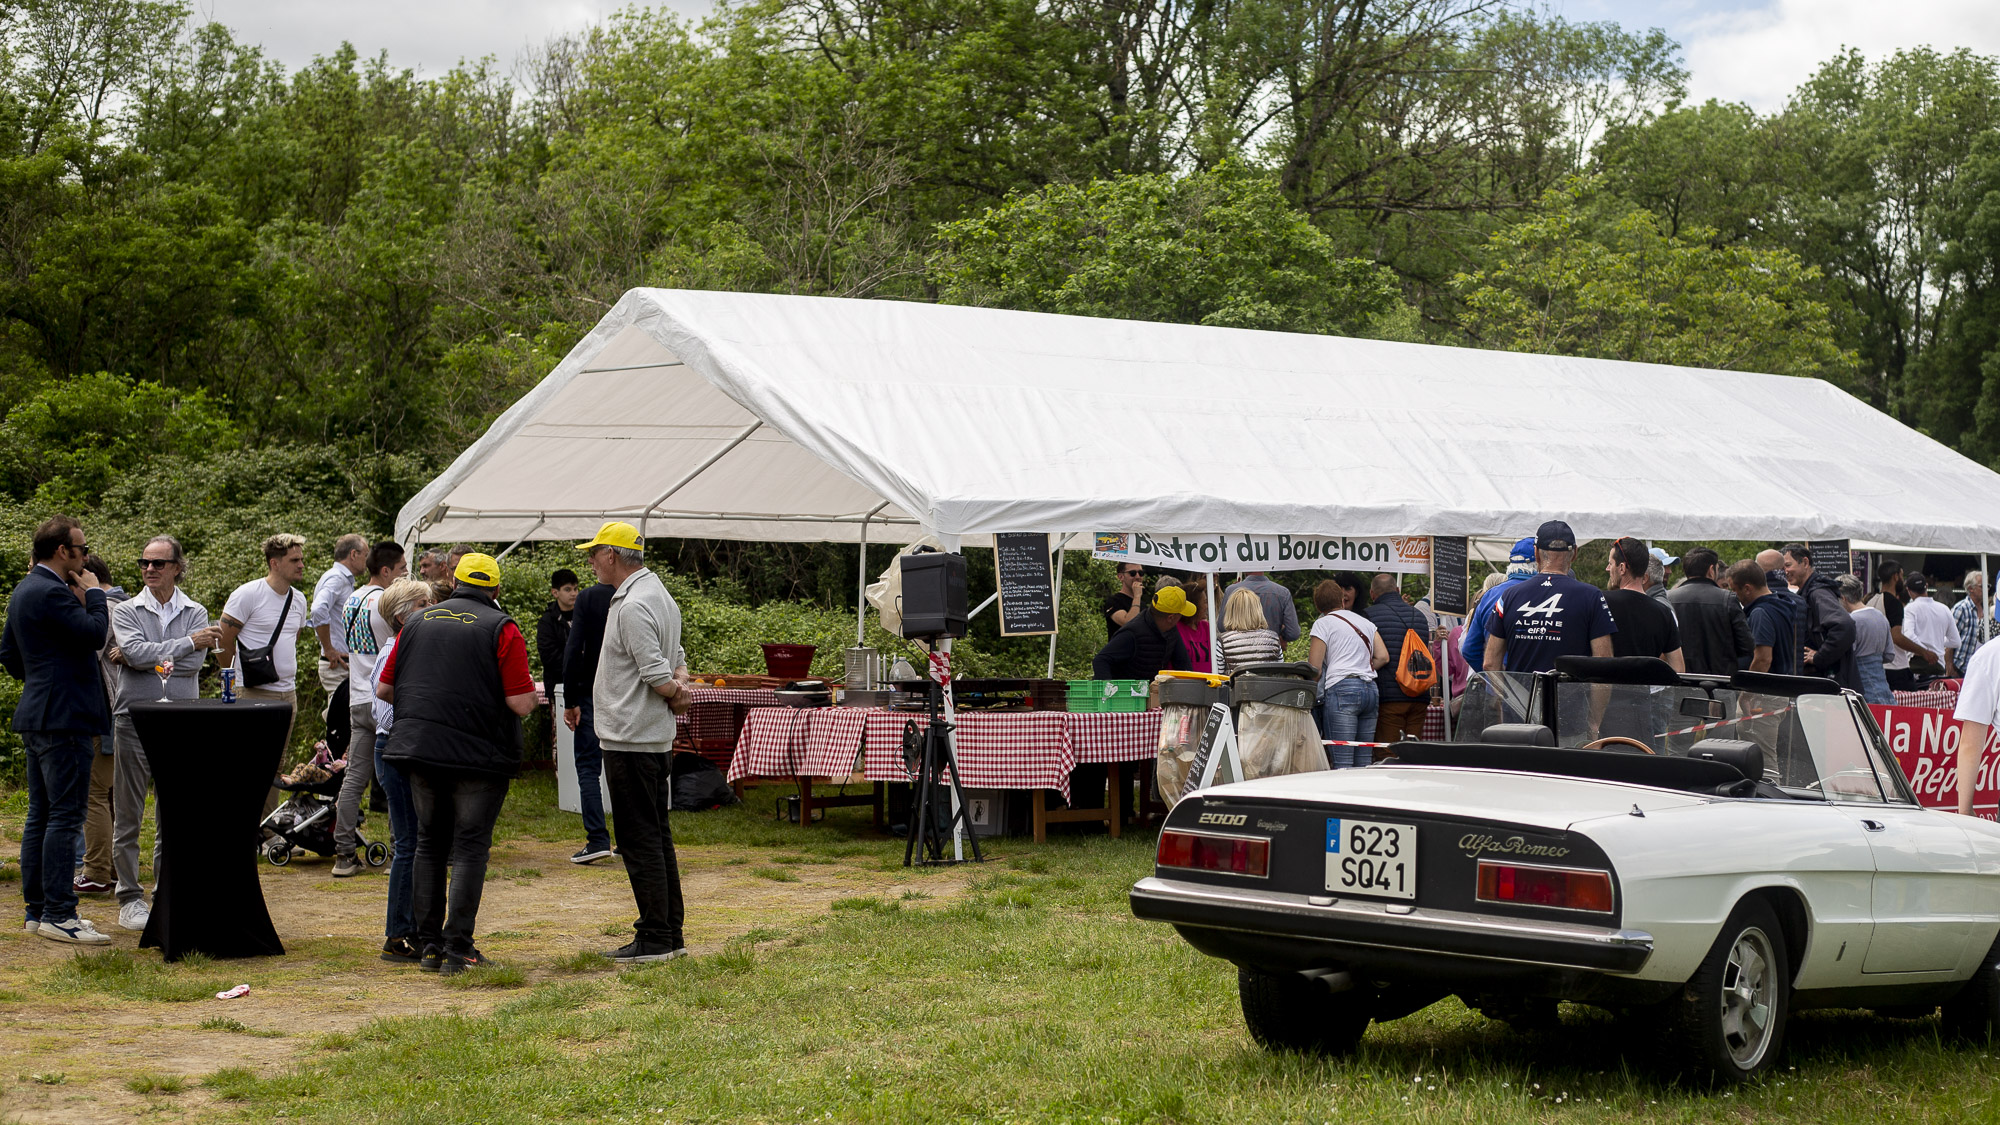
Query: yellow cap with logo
[[478, 570], [1173, 600], [616, 534]]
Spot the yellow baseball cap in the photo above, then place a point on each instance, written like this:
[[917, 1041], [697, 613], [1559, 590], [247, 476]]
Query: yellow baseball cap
[[1173, 600], [478, 570], [616, 534]]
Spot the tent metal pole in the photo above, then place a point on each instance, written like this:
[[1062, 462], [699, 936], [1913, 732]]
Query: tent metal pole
[[1986, 595], [951, 543], [712, 458], [523, 539], [861, 595], [1051, 673], [990, 599], [1212, 650]]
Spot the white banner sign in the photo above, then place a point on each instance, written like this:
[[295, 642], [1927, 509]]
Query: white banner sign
[[1397, 554]]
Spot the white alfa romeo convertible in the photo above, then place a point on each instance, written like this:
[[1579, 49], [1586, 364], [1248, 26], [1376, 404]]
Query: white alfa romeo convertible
[[1702, 854]]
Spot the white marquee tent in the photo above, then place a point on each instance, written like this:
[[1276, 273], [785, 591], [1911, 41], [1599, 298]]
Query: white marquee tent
[[745, 416]]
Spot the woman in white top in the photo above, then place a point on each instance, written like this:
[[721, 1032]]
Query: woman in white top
[[1247, 638], [397, 604], [1346, 650]]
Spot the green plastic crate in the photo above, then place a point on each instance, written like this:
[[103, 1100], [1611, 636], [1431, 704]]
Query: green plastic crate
[[1108, 695]]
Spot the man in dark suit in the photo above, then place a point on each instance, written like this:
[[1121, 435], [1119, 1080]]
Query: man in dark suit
[[56, 623]]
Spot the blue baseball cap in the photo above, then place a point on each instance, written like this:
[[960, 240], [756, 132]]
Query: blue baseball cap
[[1665, 558], [1524, 551]]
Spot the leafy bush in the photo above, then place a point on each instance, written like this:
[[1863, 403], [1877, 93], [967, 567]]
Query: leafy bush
[[66, 444]]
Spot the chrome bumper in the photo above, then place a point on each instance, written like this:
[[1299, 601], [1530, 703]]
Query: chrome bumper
[[1364, 924]]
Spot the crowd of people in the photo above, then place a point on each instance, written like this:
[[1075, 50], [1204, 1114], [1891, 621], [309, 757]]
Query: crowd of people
[[427, 680], [1773, 613]]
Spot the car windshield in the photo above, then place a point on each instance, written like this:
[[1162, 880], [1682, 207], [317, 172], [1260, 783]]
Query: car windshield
[[1812, 744]]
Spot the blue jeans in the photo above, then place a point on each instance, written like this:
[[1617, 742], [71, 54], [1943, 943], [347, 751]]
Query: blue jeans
[[590, 790], [1874, 679], [1347, 714], [402, 919], [58, 797]]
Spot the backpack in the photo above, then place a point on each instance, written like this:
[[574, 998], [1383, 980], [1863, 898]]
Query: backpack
[[1416, 670]]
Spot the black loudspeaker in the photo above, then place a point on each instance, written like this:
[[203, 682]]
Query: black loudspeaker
[[933, 595]]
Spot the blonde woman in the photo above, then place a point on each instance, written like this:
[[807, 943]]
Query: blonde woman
[[1247, 636], [402, 600]]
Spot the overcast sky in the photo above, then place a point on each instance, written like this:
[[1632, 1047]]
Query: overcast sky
[[1754, 51]]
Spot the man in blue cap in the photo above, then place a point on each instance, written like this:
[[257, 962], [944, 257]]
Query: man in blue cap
[[1520, 566], [1551, 614]]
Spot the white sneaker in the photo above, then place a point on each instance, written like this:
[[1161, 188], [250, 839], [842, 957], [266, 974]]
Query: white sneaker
[[134, 915], [34, 925], [76, 931]]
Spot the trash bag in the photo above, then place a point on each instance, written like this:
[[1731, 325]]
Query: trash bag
[[1272, 740], [699, 785], [1180, 735]]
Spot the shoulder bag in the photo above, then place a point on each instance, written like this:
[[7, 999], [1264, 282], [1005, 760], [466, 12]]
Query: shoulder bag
[[260, 666]]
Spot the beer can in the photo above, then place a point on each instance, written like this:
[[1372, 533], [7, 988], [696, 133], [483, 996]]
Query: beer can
[[229, 685]]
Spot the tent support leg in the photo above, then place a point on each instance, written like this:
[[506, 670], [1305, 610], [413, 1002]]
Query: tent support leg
[[951, 543], [1051, 673], [1214, 612], [523, 539], [1986, 595]]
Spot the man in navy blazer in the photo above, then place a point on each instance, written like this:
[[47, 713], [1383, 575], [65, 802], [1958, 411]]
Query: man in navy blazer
[[56, 623]]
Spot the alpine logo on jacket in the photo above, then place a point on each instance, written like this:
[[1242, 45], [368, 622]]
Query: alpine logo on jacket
[[1549, 609]]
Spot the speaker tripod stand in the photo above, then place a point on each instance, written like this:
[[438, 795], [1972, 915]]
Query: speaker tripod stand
[[935, 818]]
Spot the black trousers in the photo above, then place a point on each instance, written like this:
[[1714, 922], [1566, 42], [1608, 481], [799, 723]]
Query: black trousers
[[455, 815], [641, 798]]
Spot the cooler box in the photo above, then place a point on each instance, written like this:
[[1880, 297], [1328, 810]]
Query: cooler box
[[569, 796]]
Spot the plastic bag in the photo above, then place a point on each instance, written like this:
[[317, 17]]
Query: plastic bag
[[1272, 740], [1180, 735]]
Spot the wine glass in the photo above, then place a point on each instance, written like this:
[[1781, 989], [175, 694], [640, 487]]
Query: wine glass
[[165, 669]]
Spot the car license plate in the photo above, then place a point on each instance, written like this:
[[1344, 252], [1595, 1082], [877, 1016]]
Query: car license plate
[[1368, 857]]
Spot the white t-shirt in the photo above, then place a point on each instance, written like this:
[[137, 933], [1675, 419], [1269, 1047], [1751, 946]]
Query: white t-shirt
[[1348, 652], [257, 606], [365, 633], [385, 714], [1930, 625], [1979, 693]]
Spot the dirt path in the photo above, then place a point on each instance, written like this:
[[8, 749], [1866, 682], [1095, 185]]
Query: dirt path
[[72, 1042]]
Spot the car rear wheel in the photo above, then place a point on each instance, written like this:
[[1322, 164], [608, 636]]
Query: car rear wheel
[[1728, 1022], [1973, 1016], [1293, 1012]]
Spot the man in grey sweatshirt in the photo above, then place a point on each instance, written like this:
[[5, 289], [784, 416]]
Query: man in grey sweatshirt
[[162, 624], [633, 696]]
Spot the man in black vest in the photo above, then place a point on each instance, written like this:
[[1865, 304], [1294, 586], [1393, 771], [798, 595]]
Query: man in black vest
[[1149, 643], [460, 682]]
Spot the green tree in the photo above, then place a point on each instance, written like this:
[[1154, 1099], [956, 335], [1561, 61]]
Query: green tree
[[1593, 276], [65, 446], [1221, 247]]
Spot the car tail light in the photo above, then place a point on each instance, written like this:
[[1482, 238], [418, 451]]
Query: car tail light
[[1558, 887], [1201, 851]]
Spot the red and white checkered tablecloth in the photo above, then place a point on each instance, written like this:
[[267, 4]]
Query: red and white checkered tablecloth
[[774, 744], [713, 717], [1113, 736], [995, 750], [1939, 697]]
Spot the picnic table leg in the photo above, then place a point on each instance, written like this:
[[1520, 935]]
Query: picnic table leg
[[805, 801], [1039, 802], [1116, 798]]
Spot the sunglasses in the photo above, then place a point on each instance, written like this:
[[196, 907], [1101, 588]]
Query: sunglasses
[[79, 548], [148, 564], [1134, 574]]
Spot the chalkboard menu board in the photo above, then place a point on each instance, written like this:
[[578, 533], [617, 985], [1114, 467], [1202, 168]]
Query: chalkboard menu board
[[1027, 588], [1448, 558], [1829, 557]]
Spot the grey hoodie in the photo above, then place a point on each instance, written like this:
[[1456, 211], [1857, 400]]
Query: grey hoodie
[[642, 644]]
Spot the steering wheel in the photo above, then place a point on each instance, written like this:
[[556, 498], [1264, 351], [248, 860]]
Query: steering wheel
[[1617, 739]]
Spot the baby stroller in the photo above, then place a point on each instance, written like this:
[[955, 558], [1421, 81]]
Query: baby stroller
[[306, 820]]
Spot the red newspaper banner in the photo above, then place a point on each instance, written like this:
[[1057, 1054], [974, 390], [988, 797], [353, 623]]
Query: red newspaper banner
[[1925, 740]]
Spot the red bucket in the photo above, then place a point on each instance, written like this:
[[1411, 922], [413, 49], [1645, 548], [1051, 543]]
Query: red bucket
[[789, 662]]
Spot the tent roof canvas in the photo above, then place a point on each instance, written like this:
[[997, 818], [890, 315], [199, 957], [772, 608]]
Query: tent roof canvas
[[752, 416]]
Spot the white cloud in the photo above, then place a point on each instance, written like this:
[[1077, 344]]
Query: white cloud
[[430, 35], [1760, 55]]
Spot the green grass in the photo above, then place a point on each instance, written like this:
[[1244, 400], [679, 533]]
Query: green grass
[[156, 1084], [1036, 997], [238, 1027], [489, 976], [125, 976], [776, 874]]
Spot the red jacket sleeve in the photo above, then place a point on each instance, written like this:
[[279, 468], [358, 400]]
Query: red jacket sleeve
[[516, 678], [386, 673]]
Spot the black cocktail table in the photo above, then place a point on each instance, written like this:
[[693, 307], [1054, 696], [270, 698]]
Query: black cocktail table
[[212, 767]]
